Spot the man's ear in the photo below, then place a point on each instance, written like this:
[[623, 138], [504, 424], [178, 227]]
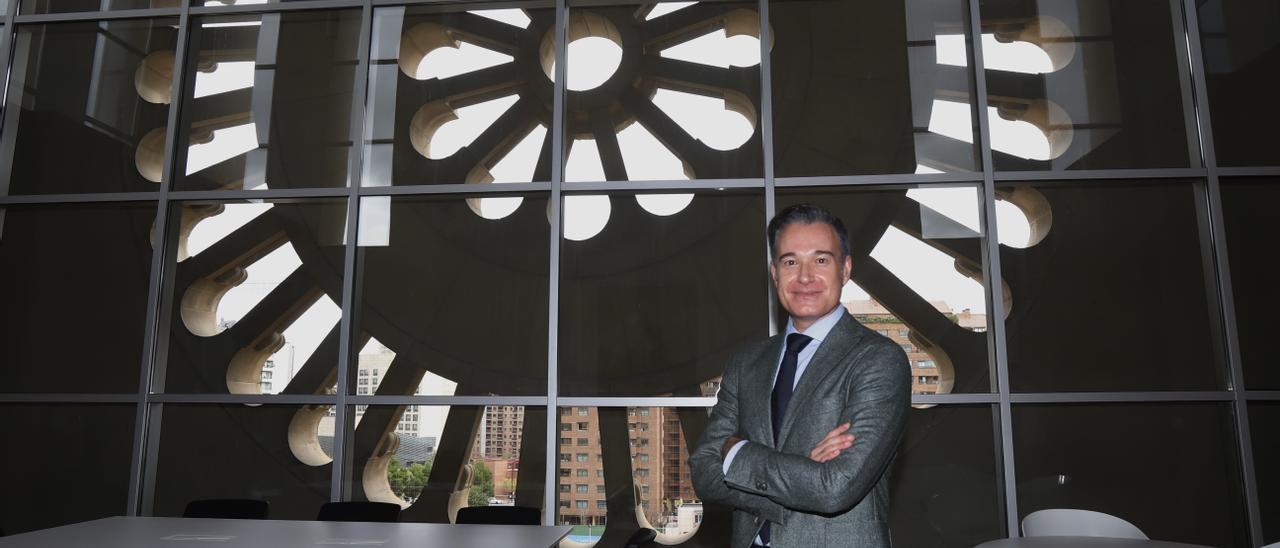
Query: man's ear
[[773, 272], [848, 269]]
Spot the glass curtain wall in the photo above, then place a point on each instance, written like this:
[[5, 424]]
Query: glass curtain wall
[[449, 254]]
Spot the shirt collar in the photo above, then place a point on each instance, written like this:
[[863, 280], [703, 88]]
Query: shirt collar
[[820, 328]]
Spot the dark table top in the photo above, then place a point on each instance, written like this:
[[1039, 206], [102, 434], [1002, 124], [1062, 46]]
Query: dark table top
[[1082, 542], [142, 532]]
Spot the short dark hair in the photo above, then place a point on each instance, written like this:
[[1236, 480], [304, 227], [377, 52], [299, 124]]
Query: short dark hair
[[806, 214]]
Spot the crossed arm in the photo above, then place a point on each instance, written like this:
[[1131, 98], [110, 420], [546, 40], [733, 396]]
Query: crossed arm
[[836, 474]]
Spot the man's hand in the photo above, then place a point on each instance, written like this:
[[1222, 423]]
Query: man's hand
[[728, 444], [831, 445]]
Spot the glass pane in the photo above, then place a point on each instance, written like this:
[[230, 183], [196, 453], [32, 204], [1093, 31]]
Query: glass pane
[[1248, 211], [268, 452], [432, 272], [64, 464], [606, 502], [946, 481], [1168, 468], [97, 92], [917, 276], [433, 460], [1110, 287], [73, 288], [1240, 57], [1264, 424], [1088, 84], [254, 308], [68, 6], [655, 94], [271, 102], [458, 96], [868, 88], [658, 290]]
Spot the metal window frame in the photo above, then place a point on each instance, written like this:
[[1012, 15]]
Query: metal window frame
[[147, 400]]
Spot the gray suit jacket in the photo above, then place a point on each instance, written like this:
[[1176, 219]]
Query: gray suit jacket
[[856, 376]]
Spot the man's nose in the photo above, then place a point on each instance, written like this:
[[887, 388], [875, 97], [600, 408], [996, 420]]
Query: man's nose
[[806, 272]]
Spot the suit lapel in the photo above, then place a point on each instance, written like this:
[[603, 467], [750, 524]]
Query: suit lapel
[[759, 387], [839, 342]]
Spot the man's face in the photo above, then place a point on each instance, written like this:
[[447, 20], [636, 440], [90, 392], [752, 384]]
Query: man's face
[[808, 271]]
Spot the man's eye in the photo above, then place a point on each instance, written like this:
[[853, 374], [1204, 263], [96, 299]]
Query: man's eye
[[822, 260], [789, 262]]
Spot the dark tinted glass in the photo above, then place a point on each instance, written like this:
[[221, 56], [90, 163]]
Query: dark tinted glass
[[1111, 291], [73, 287], [660, 94], [1241, 58], [1087, 84], [1248, 211], [434, 459], [458, 96], [917, 276], [451, 297], [1170, 469], [868, 88], [67, 6], [269, 100], [64, 464], [945, 483], [606, 502], [96, 92], [656, 291], [1264, 427], [254, 303], [270, 452]]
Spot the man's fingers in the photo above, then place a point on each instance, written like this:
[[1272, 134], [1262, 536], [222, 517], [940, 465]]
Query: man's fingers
[[830, 448]]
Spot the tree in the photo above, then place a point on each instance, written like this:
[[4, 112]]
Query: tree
[[481, 485], [407, 482]]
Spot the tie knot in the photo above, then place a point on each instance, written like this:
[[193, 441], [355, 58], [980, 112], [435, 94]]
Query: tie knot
[[796, 342]]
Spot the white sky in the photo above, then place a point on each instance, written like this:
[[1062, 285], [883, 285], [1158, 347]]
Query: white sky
[[591, 61]]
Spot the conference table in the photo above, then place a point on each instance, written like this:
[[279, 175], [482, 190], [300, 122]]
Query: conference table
[[145, 532], [1083, 542]]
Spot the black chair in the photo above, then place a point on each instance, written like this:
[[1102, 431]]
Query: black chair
[[643, 538], [499, 515], [385, 512], [227, 509]]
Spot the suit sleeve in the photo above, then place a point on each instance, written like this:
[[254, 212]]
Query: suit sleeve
[[705, 463], [876, 403]]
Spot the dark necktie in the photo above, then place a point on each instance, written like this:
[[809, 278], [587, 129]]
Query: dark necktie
[[782, 389]]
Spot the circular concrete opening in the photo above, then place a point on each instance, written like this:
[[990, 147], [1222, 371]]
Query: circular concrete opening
[[594, 52]]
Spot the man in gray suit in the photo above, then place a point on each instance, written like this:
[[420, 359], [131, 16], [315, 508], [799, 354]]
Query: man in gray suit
[[808, 421]]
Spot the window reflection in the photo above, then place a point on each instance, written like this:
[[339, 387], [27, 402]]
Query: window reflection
[[1240, 61], [917, 277], [271, 100], [871, 88], [240, 451], [1114, 295], [432, 271], [255, 297], [663, 94], [95, 91], [1248, 207], [1264, 420], [459, 97], [693, 280], [433, 460], [1087, 84], [1115, 459], [73, 288], [606, 502]]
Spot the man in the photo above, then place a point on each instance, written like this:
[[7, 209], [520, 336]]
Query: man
[[807, 422]]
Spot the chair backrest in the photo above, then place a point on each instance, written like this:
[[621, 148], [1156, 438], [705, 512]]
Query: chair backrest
[[360, 511], [1067, 522], [499, 515], [227, 509]]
